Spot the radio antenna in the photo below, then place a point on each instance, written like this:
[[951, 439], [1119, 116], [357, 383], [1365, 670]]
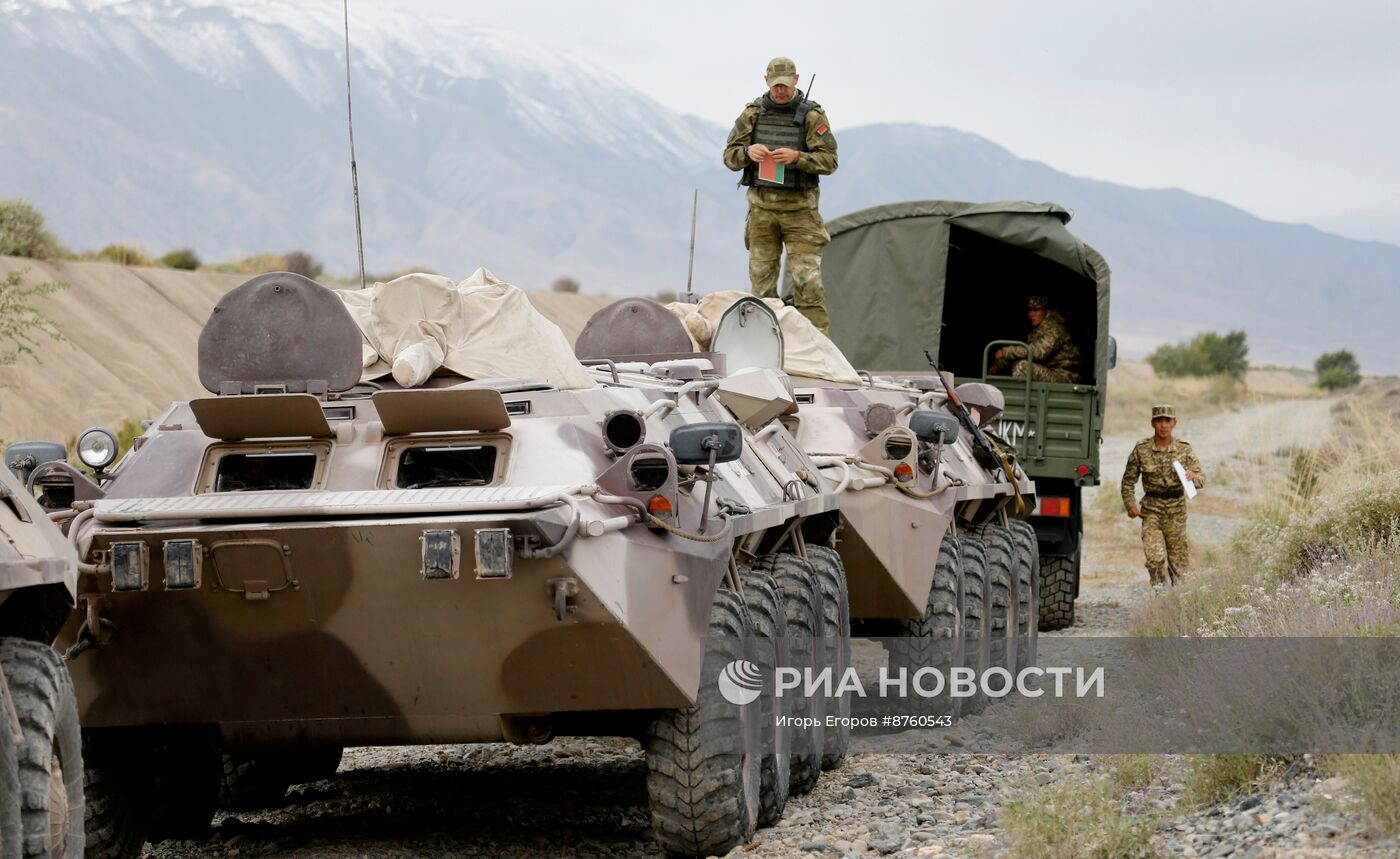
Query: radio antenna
[[690, 269], [354, 172]]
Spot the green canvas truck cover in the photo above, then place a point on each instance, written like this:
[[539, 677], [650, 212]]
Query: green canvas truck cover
[[885, 273]]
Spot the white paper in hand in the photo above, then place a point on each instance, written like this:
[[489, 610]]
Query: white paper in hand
[[1185, 484]]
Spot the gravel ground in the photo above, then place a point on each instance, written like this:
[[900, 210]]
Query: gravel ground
[[929, 798]]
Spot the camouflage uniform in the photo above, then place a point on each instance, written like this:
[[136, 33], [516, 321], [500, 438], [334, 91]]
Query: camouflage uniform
[[1163, 505], [779, 216], [1056, 358]]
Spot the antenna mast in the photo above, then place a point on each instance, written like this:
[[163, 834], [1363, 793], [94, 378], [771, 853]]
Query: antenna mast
[[354, 172], [690, 268]]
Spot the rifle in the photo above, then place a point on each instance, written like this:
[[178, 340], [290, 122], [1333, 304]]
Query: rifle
[[964, 416], [690, 269]]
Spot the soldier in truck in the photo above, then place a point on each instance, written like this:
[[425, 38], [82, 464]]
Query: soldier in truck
[[1053, 355]]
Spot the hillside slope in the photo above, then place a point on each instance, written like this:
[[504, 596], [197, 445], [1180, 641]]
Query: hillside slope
[[130, 344]]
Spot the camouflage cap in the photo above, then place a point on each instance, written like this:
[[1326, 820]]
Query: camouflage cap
[[1164, 410], [1037, 302], [781, 70]]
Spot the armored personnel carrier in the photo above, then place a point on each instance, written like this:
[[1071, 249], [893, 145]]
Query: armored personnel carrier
[[41, 764], [940, 563], [308, 559]]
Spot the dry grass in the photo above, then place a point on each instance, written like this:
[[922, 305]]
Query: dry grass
[[1216, 778], [1133, 388], [1376, 780], [1079, 817]]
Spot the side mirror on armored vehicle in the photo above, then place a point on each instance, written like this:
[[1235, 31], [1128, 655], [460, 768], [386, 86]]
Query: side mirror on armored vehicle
[[934, 427], [1112, 352], [23, 457], [693, 444]]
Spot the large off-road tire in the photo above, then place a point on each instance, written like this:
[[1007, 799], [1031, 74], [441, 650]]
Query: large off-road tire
[[1027, 595], [11, 829], [117, 809], [972, 563], [934, 640], [1058, 575], [252, 780], [51, 755], [704, 762], [797, 586], [765, 607], [836, 637], [1001, 559]]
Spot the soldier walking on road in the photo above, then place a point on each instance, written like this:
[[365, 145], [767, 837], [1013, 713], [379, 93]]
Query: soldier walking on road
[[782, 142], [1163, 510]]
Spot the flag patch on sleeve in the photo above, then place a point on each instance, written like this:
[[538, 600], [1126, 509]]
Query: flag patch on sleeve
[[823, 128]]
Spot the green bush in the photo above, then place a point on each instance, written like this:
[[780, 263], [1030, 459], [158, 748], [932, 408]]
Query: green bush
[[22, 232], [1337, 371], [566, 284], [303, 263], [21, 323], [184, 259], [123, 255], [1207, 354]]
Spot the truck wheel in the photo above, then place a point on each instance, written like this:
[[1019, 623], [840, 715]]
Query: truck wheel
[[11, 829], [1027, 602], [765, 607], [972, 564], [1058, 575], [703, 761], [51, 754], [116, 792], [934, 640], [1001, 560], [836, 639], [252, 780], [797, 586]]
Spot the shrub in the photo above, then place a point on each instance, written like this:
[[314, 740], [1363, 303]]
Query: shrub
[[259, 264], [1206, 354], [666, 296], [20, 321], [22, 232], [303, 263], [1337, 371], [566, 284], [1213, 778], [123, 255], [1374, 778], [184, 259]]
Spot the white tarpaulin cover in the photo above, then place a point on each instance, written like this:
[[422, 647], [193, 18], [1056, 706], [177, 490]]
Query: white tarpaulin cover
[[479, 328], [806, 351]]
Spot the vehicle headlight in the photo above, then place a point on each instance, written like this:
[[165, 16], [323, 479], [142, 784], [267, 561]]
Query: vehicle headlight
[[97, 448]]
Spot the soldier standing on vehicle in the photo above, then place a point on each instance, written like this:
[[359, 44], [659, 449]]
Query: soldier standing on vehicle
[[782, 142], [1054, 356], [1163, 510]]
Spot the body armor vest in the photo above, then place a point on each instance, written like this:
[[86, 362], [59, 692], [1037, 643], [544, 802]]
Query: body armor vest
[[779, 127]]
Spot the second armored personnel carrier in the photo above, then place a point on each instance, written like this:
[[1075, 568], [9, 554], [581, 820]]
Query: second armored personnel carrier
[[41, 764], [308, 559]]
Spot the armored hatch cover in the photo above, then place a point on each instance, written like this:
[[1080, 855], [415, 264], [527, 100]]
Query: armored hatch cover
[[632, 327], [280, 332]]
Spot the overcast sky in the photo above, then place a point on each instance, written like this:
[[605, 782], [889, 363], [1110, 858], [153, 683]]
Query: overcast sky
[[1286, 108]]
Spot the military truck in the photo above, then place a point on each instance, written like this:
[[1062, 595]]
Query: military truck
[[41, 764], [307, 560], [950, 280], [936, 569]]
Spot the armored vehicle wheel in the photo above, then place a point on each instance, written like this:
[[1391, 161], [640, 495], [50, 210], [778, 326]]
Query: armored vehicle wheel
[[770, 633], [1001, 565], [1027, 581], [116, 813], [50, 756], [249, 781], [934, 640], [836, 635], [797, 585], [972, 558], [703, 762], [1058, 574], [11, 830]]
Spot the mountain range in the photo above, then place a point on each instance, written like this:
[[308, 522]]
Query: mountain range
[[221, 126]]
